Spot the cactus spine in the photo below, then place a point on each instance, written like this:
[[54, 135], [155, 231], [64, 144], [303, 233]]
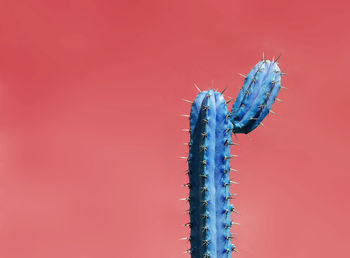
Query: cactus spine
[[211, 128]]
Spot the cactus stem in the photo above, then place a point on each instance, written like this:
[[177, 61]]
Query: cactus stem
[[195, 85], [187, 101]]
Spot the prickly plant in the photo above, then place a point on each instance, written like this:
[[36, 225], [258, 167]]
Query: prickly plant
[[255, 98], [211, 128]]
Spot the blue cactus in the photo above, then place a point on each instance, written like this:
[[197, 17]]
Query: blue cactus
[[255, 98], [211, 128], [208, 160]]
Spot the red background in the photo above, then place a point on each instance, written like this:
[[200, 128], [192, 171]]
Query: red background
[[90, 126]]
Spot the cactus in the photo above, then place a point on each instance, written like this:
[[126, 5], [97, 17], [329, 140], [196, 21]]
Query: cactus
[[255, 98], [211, 128]]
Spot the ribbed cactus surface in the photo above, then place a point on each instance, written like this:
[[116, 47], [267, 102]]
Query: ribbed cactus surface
[[255, 98], [209, 167], [211, 128]]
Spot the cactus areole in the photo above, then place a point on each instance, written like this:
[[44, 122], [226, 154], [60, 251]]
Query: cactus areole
[[211, 128]]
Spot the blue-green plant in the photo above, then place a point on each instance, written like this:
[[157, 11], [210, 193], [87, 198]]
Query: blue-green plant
[[211, 128]]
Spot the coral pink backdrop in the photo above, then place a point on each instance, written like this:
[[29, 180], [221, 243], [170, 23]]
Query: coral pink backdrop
[[90, 126]]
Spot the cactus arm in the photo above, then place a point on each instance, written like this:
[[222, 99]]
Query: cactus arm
[[254, 100], [201, 176]]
